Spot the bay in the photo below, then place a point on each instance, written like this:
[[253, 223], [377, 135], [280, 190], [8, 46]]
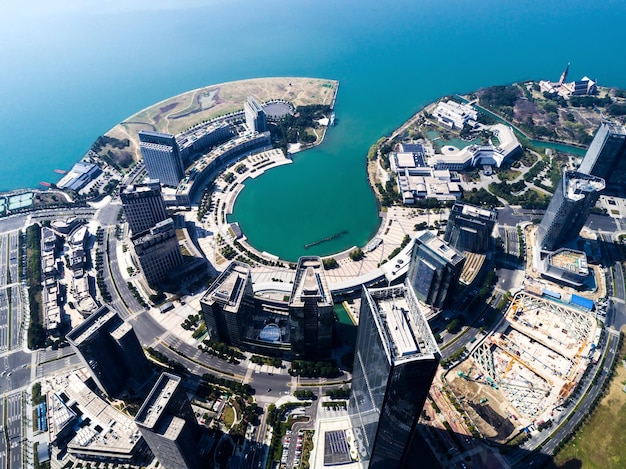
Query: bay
[[73, 69]]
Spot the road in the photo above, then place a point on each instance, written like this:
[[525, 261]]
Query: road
[[123, 300], [3, 436], [13, 428]]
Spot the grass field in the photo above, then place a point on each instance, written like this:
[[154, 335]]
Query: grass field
[[601, 441], [228, 416]]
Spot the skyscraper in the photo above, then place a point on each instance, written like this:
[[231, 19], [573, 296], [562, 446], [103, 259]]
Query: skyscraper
[[434, 270], [228, 304], [108, 346], [255, 115], [395, 361], [311, 311], [606, 157], [143, 206], [157, 252], [469, 227], [568, 210], [162, 157], [167, 423]]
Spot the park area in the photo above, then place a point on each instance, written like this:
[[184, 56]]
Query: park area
[[179, 113]]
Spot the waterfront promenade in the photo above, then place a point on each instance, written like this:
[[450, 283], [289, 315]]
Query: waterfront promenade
[[397, 222]]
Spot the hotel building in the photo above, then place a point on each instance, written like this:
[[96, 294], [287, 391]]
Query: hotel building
[[162, 157], [157, 252], [143, 206]]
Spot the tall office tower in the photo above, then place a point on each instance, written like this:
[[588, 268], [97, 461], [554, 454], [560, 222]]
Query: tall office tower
[[606, 157], [311, 311], [469, 227], [434, 270], [255, 115], [167, 423], [395, 361], [143, 206], [162, 157], [108, 346], [228, 304], [157, 252], [575, 195]]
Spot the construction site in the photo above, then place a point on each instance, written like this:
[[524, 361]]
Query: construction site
[[527, 367]]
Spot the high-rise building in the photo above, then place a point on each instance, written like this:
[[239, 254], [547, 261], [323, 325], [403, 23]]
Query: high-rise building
[[395, 361], [575, 195], [162, 157], [434, 270], [311, 311], [157, 252], [228, 304], [167, 423], [143, 206], [255, 115], [108, 346], [469, 227], [606, 157]]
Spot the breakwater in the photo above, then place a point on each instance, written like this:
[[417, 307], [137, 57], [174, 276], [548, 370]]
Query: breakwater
[[329, 238]]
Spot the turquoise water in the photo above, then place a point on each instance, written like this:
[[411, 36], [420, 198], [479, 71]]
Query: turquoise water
[[560, 147], [455, 142], [73, 69]]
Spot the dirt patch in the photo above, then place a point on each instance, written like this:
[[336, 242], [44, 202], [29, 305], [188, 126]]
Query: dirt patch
[[501, 425]]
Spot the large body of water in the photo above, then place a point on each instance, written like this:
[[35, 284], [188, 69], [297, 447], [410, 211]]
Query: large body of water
[[73, 69]]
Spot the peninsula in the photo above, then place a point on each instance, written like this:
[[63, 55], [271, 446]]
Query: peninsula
[[523, 306]]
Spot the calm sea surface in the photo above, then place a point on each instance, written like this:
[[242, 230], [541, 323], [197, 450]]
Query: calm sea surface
[[73, 69]]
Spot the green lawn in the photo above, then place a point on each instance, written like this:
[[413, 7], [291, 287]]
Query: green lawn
[[228, 416]]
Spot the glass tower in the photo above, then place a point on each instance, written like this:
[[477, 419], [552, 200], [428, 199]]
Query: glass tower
[[395, 362], [435, 269], [568, 209], [606, 157]]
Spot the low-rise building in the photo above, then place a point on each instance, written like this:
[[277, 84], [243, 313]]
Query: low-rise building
[[455, 115], [206, 166]]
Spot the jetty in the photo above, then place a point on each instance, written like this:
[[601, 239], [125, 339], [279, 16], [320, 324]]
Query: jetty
[[329, 238]]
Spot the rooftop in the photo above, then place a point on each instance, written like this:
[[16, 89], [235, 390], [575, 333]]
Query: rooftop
[[474, 211], [578, 185], [402, 322], [91, 325], [310, 282], [156, 402], [228, 289], [109, 431], [440, 247]]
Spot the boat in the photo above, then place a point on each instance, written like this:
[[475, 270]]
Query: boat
[[332, 119], [45, 184], [373, 244], [60, 171]]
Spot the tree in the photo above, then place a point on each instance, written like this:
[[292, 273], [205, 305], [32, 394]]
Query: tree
[[356, 254], [330, 263]]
